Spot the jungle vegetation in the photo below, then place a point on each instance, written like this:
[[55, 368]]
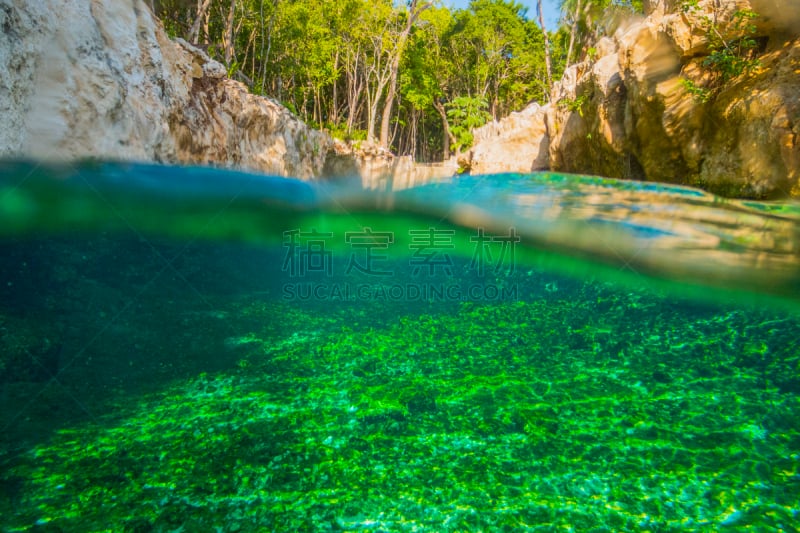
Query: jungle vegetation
[[413, 77]]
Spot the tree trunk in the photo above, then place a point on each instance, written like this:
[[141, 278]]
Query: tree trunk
[[354, 105], [229, 35], [447, 136], [265, 54], [546, 46], [573, 31], [206, 22], [393, 134], [414, 10], [372, 116], [412, 149], [355, 89], [202, 7], [334, 110], [387, 108], [381, 75]]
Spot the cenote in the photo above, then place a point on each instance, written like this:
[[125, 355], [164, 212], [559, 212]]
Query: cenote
[[190, 349]]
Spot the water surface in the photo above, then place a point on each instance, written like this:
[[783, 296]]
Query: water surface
[[187, 349]]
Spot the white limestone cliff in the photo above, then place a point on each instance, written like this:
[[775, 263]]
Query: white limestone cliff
[[100, 78]]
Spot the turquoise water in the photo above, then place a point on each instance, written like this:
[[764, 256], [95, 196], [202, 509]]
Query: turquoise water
[[187, 349]]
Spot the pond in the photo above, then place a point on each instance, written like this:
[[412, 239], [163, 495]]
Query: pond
[[190, 349]]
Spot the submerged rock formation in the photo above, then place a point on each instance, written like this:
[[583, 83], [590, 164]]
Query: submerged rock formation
[[91, 78], [631, 114]]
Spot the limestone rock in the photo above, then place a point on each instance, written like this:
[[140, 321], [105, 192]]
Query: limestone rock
[[778, 17], [630, 114], [517, 143], [758, 134], [378, 169], [100, 78], [642, 122]]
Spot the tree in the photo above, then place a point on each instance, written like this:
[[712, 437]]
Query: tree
[[428, 76], [228, 43], [574, 7], [202, 10], [415, 8], [398, 74], [503, 55], [546, 43]]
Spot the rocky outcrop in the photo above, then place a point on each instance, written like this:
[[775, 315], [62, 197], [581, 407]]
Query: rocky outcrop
[[375, 168], [92, 78], [517, 143], [631, 114]]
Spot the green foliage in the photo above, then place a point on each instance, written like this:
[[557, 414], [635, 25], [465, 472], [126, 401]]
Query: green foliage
[[290, 107], [587, 404], [688, 6], [700, 93], [732, 49], [176, 15], [574, 105], [503, 53], [330, 61], [339, 131], [233, 68], [735, 56], [466, 113], [358, 135]]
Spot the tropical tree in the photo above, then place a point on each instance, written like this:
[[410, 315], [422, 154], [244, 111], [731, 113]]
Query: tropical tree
[[404, 75], [415, 8]]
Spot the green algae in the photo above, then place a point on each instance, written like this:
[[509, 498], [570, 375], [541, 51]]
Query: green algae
[[517, 416]]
